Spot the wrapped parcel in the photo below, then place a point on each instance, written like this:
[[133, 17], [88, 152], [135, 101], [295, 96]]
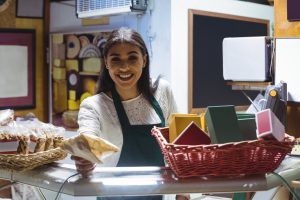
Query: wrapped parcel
[[89, 147]]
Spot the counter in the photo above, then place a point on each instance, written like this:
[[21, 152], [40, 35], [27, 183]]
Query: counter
[[121, 181]]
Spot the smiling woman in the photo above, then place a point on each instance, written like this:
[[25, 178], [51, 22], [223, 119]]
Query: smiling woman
[[127, 106]]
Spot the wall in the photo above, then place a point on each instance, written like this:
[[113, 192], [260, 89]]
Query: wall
[[8, 20], [179, 35], [284, 28]]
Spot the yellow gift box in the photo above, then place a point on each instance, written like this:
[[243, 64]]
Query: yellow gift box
[[178, 122]]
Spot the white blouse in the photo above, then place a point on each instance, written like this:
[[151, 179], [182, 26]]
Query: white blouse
[[97, 115]]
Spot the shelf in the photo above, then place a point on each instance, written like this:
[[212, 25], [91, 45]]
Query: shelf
[[236, 85], [122, 181], [89, 73]]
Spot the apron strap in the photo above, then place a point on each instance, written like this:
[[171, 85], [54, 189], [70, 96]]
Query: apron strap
[[124, 121], [158, 110]]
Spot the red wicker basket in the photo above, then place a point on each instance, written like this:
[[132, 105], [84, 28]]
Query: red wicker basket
[[230, 159]]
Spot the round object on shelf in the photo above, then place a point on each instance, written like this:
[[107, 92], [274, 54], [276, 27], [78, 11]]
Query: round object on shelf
[[73, 79], [73, 46], [99, 41], [4, 4], [89, 51], [84, 40]]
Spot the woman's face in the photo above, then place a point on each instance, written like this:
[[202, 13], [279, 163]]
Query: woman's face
[[125, 63]]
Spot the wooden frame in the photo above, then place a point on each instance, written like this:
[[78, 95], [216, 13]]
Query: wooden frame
[[30, 8], [17, 64], [191, 14]]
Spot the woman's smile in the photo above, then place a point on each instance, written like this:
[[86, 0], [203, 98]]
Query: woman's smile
[[125, 77]]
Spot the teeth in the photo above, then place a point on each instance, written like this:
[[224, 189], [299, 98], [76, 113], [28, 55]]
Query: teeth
[[125, 75]]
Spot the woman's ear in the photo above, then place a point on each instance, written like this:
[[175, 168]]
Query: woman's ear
[[145, 60], [105, 63]]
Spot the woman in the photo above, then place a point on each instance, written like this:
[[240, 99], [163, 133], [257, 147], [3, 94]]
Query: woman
[[127, 105]]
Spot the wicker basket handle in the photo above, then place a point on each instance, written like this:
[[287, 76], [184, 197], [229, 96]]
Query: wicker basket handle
[[161, 134]]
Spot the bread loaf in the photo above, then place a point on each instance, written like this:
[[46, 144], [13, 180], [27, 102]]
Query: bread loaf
[[25, 137]]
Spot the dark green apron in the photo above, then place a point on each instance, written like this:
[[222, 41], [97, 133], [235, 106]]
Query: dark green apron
[[139, 147]]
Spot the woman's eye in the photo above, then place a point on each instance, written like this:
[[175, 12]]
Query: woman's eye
[[132, 58], [115, 59]]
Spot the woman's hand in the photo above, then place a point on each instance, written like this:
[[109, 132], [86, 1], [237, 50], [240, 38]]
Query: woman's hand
[[83, 166]]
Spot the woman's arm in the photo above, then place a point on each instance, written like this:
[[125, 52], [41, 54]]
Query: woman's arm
[[88, 117], [88, 121]]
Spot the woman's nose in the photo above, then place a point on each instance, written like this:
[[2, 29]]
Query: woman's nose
[[124, 65]]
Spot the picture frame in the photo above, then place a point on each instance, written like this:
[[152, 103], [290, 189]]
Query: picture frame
[[30, 8], [17, 66]]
